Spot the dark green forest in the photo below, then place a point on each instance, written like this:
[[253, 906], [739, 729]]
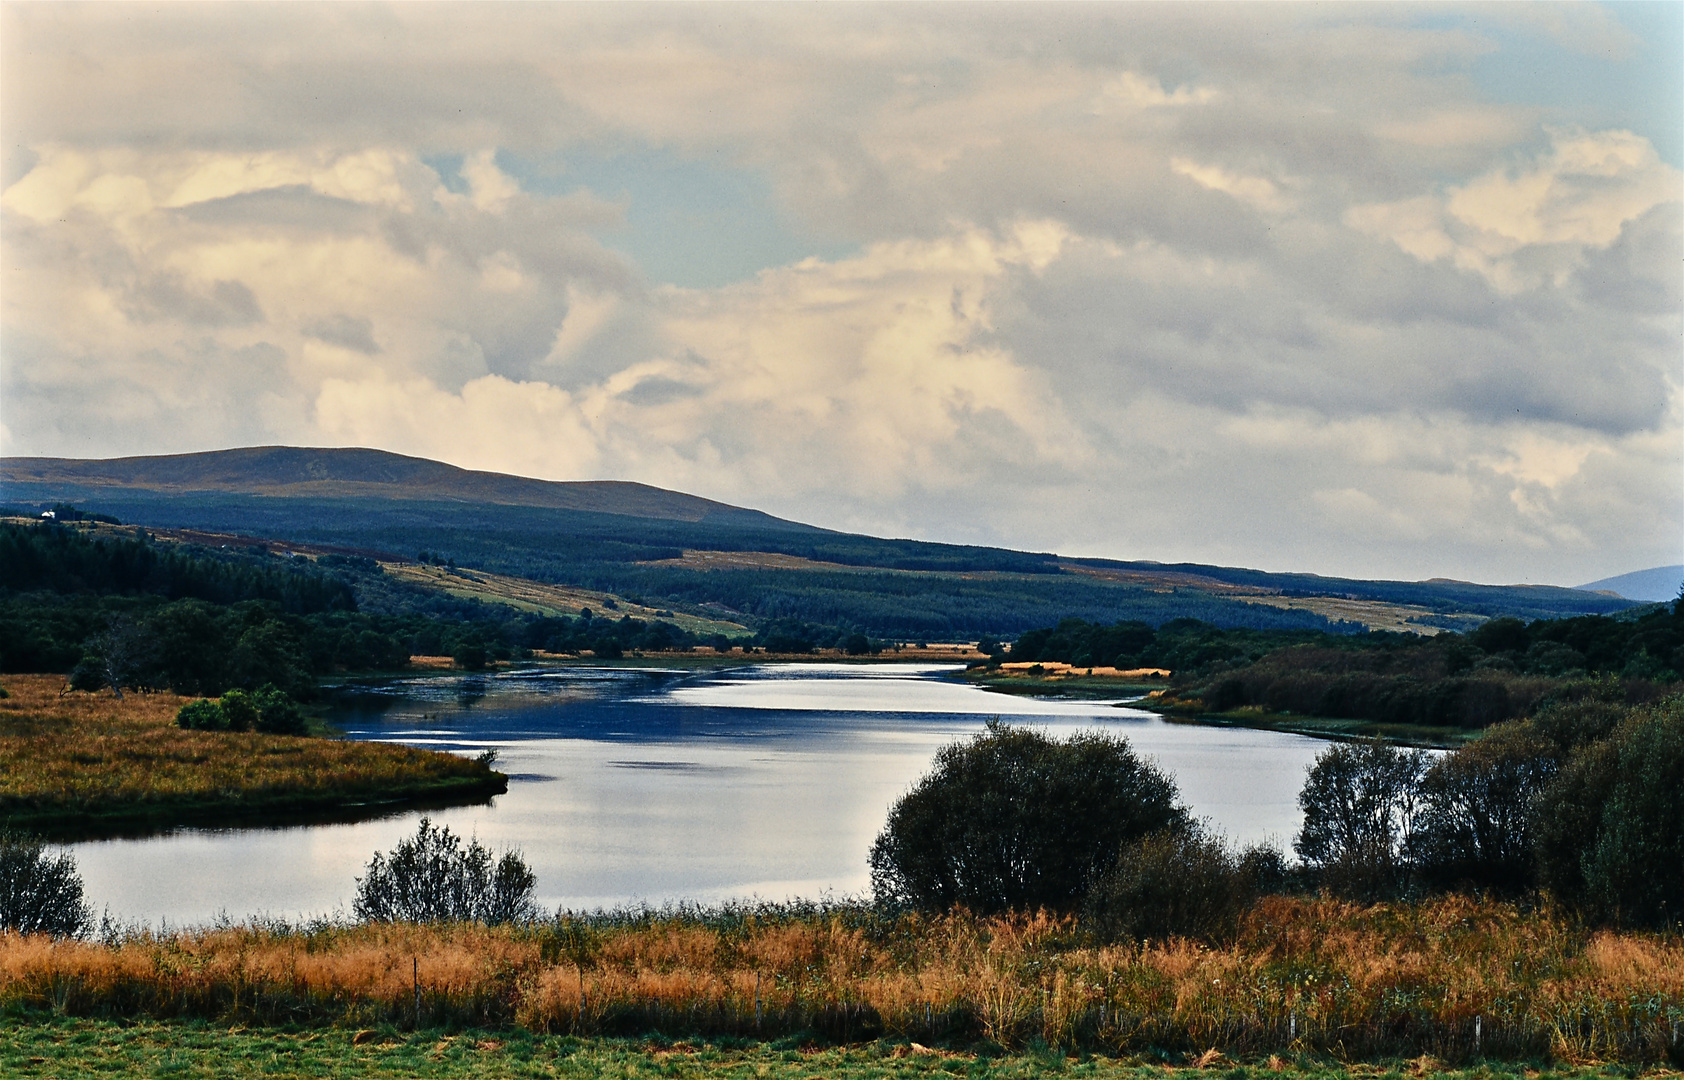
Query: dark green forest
[[130, 612], [1506, 668]]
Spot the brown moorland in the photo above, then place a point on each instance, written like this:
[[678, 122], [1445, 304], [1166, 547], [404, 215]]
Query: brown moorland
[[86, 764], [1456, 978]]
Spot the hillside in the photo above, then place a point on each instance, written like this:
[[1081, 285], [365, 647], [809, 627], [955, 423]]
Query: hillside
[[353, 473], [710, 560]]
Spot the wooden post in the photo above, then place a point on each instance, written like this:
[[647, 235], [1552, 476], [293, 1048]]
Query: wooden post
[[415, 977], [757, 1001]]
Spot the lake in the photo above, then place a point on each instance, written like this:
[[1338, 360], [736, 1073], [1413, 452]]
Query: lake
[[638, 785]]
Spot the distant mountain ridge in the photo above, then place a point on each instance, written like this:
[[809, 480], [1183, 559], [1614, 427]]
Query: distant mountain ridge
[[675, 549], [1657, 583], [351, 472]]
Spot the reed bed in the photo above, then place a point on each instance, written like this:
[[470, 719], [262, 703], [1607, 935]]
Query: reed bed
[[75, 758], [1455, 979]]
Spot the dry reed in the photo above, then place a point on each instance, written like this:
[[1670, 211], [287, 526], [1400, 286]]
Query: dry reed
[[1456, 979], [79, 757]]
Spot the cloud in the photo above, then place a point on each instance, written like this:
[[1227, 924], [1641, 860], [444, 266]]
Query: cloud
[[1519, 227], [1274, 286]]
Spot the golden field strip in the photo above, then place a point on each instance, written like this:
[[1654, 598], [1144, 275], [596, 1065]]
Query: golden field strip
[[1455, 979], [86, 762], [526, 595]]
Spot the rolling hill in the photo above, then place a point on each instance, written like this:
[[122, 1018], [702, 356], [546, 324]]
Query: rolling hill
[[709, 559], [292, 472]]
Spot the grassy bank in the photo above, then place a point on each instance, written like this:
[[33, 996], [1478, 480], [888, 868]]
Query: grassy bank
[[1251, 716], [90, 764], [1098, 687], [1455, 979], [50, 1047]]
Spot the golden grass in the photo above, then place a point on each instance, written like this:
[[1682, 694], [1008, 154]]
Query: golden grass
[[81, 757], [1303, 975], [540, 598]]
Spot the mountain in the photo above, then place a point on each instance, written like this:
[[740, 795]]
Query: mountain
[[683, 553], [1658, 583], [300, 472]]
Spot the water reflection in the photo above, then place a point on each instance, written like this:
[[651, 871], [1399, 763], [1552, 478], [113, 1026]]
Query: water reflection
[[655, 785]]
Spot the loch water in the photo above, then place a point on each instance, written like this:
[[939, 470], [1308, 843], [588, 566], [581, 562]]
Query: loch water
[[654, 786]]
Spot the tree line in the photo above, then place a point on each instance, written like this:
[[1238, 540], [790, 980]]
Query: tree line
[[1583, 804], [1502, 670]]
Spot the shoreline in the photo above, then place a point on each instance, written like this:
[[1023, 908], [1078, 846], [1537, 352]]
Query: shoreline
[[1091, 688]]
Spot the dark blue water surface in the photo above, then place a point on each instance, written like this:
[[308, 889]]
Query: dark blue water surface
[[639, 785]]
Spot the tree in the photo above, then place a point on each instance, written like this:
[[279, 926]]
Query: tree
[[1611, 825], [1359, 804], [1476, 822], [433, 878], [40, 893], [123, 656], [1016, 820]]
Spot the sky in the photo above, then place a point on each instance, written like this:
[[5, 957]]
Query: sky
[[1373, 290]]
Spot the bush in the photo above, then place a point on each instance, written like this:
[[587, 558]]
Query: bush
[[239, 710], [39, 893], [1016, 820], [1182, 883], [277, 713], [266, 709], [201, 715], [432, 878], [1359, 805], [1611, 825]]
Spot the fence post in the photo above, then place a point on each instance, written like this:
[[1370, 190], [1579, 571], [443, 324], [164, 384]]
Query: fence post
[[1477, 1025], [415, 982], [757, 1001]]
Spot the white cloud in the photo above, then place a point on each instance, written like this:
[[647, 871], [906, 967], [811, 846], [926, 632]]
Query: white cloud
[[1579, 195], [1257, 191], [1275, 287]]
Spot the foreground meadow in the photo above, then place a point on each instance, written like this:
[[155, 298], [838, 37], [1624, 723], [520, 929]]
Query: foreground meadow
[[1455, 979], [50, 1048], [83, 764]]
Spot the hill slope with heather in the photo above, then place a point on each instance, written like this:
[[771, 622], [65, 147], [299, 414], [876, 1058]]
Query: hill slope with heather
[[693, 555]]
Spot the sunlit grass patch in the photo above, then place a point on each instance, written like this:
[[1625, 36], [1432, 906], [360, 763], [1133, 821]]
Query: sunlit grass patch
[[77, 760], [1453, 981]]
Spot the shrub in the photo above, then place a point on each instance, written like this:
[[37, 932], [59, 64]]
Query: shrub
[[40, 893], [433, 878], [1359, 804], [201, 715], [239, 710], [1183, 883], [1015, 820], [277, 713], [1477, 806]]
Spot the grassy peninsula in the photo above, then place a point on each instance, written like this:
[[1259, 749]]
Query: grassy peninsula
[[82, 764]]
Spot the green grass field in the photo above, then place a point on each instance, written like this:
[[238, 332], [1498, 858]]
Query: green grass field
[[36, 1045]]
